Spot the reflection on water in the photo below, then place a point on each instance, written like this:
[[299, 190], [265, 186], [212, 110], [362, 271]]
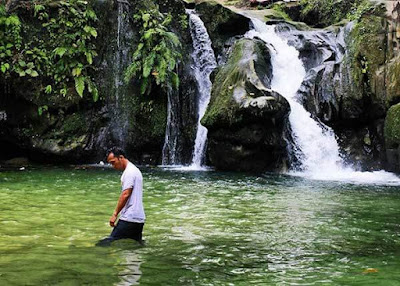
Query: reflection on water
[[130, 274], [203, 228]]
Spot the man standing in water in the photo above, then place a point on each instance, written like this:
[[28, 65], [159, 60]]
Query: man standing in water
[[130, 203]]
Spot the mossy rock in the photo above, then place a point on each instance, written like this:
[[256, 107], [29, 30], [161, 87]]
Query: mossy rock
[[393, 80], [66, 138], [75, 124], [275, 16], [245, 118], [367, 46], [69, 148], [247, 57], [392, 127], [221, 23], [242, 84], [324, 13], [366, 56]]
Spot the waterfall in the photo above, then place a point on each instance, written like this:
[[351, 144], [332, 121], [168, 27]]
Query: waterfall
[[119, 121], [315, 143], [117, 79], [204, 63], [170, 148]]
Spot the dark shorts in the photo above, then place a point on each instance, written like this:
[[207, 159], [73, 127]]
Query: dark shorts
[[124, 229]]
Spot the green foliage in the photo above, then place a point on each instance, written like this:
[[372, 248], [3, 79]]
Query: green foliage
[[10, 41], [366, 48], [357, 11], [184, 21], [42, 109], [60, 52], [280, 11], [328, 12], [156, 57]]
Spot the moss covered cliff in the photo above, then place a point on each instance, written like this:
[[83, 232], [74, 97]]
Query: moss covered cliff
[[63, 65]]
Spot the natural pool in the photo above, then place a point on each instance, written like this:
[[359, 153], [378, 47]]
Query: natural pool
[[203, 228]]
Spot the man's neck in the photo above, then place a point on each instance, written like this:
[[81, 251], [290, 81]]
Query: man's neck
[[125, 163]]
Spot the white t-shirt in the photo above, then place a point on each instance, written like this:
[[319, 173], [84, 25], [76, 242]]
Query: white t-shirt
[[133, 210]]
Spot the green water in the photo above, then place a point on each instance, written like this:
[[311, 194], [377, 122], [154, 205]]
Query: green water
[[204, 228]]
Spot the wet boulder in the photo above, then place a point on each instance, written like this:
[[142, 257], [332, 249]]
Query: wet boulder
[[18, 162], [222, 24], [246, 119], [392, 137], [322, 53]]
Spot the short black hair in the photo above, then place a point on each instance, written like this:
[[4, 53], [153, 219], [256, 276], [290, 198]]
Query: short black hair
[[117, 151]]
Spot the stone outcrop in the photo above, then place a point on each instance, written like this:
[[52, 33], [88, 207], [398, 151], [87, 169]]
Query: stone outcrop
[[245, 118], [222, 25], [392, 137]]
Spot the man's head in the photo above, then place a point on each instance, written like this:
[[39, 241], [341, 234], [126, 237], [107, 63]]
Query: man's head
[[116, 157]]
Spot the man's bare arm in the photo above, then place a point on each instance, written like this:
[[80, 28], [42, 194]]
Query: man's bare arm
[[123, 198]]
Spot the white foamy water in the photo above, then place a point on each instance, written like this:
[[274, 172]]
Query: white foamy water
[[171, 136], [184, 168], [315, 143], [204, 63]]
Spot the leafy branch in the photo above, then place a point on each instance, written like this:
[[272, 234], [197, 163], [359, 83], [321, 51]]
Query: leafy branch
[[156, 57], [60, 53]]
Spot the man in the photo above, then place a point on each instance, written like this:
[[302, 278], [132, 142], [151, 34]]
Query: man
[[130, 203]]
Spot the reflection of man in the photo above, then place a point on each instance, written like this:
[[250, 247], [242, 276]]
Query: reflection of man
[[132, 273], [130, 204]]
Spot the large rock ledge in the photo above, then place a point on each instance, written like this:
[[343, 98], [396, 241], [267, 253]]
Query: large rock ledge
[[245, 118]]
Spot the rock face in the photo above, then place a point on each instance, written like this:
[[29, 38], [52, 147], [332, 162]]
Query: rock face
[[245, 119], [352, 80], [222, 24], [392, 137], [338, 92], [78, 130]]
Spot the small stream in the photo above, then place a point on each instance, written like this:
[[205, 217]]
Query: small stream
[[203, 228]]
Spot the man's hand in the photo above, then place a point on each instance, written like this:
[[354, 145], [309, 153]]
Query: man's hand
[[113, 218], [123, 198]]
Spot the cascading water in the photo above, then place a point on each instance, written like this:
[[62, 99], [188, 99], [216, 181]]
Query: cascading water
[[119, 121], [204, 63], [170, 154], [117, 80], [315, 143]]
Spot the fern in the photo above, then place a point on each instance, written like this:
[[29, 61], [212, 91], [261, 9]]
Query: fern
[[157, 54], [148, 65]]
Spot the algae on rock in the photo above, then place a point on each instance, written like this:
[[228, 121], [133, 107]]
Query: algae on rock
[[221, 23], [392, 138], [392, 127], [245, 118]]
